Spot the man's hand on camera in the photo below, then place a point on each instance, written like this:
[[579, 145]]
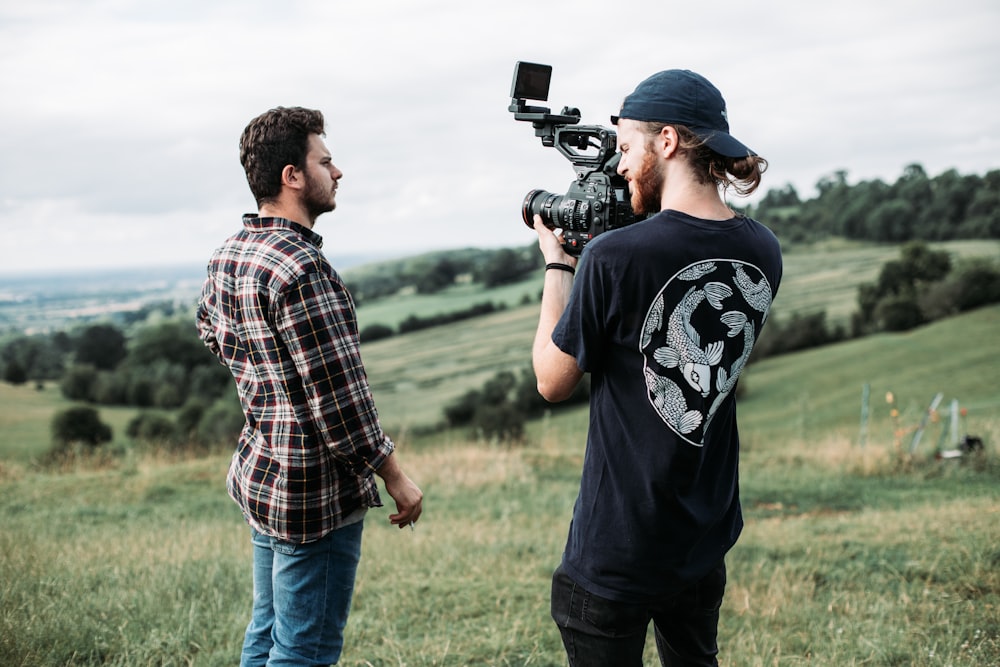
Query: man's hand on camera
[[551, 244]]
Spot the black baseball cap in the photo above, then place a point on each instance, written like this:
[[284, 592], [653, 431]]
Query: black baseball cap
[[683, 97]]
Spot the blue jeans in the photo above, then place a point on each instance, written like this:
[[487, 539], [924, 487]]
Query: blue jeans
[[597, 632], [301, 598]]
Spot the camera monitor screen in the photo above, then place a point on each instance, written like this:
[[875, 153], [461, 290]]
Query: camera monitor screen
[[531, 81]]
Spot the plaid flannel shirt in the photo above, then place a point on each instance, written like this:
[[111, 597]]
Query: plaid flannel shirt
[[279, 317]]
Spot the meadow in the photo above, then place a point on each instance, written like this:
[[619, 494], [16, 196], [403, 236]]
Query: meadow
[[852, 555], [416, 375], [855, 552]]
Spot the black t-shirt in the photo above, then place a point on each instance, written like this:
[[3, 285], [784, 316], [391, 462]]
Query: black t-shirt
[[663, 315]]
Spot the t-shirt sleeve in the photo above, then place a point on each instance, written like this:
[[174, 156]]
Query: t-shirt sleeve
[[580, 331]]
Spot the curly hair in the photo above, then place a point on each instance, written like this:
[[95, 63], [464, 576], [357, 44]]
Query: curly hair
[[271, 141], [741, 174]]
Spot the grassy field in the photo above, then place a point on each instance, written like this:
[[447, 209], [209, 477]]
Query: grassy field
[[825, 277], [25, 420], [393, 310], [416, 375], [851, 555], [844, 561], [818, 277]]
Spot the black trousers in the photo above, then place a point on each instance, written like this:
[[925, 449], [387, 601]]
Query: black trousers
[[598, 632]]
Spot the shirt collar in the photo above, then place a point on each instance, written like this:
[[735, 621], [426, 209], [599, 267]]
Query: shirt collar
[[255, 223]]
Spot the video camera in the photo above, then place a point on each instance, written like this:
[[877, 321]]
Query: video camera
[[598, 201]]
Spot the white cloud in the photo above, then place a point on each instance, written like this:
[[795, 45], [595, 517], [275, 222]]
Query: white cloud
[[122, 118]]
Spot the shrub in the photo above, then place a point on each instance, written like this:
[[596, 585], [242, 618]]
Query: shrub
[[222, 422], [461, 411], [374, 332], [978, 282], [187, 420], [79, 425], [78, 382], [898, 312], [800, 332], [505, 402], [502, 422], [14, 373], [151, 427], [101, 345]]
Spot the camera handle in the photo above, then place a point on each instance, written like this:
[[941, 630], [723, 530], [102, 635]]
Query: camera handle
[[571, 140]]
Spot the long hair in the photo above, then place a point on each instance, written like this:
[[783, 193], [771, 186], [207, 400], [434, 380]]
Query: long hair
[[273, 140], [742, 174]]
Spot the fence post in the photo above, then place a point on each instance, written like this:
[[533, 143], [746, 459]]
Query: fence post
[[863, 429], [923, 422]]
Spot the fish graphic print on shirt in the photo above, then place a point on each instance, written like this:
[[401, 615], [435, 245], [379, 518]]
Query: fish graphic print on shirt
[[695, 353]]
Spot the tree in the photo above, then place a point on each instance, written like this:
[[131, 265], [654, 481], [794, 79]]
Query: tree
[[891, 221], [101, 346], [502, 422], [898, 312], [38, 356], [374, 332], [14, 373], [435, 276], [175, 342], [508, 266], [925, 265], [79, 382], [222, 422], [151, 427], [973, 283], [983, 214], [893, 302], [914, 188], [918, 264], [947, 210], [79, 425]]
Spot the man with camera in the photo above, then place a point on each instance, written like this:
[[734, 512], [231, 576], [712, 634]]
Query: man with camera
[[663, 313], [276, 313]]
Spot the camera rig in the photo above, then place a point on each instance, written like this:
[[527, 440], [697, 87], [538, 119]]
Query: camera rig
[[598, 200]]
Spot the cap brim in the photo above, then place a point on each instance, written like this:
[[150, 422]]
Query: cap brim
[[725, 144]]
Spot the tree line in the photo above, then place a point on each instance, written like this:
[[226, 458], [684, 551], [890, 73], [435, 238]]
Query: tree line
[[186, 397], [433, 272], [916, 207]]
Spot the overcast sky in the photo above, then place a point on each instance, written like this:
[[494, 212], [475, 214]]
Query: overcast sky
[[121, 119]]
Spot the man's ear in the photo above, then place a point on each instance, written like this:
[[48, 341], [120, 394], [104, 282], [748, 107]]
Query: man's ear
[[291, 177], [668, 141]]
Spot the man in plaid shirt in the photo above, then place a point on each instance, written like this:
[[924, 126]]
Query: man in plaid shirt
[[280, 318]]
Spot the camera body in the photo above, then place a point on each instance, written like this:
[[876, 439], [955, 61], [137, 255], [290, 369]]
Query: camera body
[[598, 200]]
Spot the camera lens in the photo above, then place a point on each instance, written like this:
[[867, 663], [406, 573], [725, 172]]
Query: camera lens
[[543, 203], [557, 211]]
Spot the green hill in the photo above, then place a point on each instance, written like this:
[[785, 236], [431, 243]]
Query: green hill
[[847, 558], [414, 376]]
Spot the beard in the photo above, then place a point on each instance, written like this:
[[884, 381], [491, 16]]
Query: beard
[[647, 186], [317, 199]]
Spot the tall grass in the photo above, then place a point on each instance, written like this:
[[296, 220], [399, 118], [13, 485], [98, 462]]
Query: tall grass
[[846, 559]]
